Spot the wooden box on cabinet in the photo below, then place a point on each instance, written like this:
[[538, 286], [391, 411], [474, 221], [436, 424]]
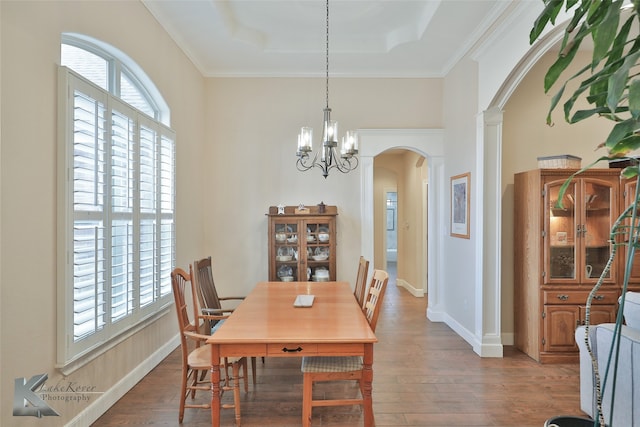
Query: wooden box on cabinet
[[302, 246], [559, 253]]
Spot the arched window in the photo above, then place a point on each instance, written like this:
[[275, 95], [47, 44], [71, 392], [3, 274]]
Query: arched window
[[117, 181], [114, 72]]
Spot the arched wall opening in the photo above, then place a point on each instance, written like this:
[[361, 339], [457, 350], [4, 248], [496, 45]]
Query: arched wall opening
[[494, 307], [429, 144]]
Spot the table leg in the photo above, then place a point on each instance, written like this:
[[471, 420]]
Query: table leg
[[215, 385], [367, 379]]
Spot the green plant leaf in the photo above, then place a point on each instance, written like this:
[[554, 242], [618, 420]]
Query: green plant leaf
[[619, 42], [549, 14], [620, 131], [630, 172], [584, 114], [578, 14], [584, 85], [634, 98], [625, 146], [554, 101], [605, 32], [560, 65], [596, 12], [618, 80]]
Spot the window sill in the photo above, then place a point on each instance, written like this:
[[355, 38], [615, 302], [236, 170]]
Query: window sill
[[100, 349]]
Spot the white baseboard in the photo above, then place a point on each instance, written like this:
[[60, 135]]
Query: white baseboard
[[416, 292], [486, 347], [92, 412], [489, 349], [434, 315]]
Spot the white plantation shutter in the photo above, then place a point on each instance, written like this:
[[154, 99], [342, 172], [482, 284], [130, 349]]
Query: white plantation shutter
[[123, 151], [149, 178], [118, 213], [89, 279], [157, 200], [89, 108], [167, 233]]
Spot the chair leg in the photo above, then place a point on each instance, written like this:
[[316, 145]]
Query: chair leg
[[253, 369], [307, 396], [183, 394], [245, 374], [236, 390], [194, 373], [226, 372]]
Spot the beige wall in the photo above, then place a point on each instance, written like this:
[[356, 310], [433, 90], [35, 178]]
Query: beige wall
[[412, 240], [460, 109], [30, 36], [526, 136]]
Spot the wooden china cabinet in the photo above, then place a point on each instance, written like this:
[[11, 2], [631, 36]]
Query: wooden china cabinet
[[559, 254], [302, 244]]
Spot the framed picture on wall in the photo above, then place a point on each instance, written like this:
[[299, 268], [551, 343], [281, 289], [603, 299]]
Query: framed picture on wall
[[460, 205]]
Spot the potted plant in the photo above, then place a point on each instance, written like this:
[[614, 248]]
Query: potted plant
[[610, 84]]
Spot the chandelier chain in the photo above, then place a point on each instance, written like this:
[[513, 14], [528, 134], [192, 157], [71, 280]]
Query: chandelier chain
[[327, 56]]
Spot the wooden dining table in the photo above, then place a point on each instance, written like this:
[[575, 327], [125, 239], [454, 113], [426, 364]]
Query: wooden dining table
[[267, 324]]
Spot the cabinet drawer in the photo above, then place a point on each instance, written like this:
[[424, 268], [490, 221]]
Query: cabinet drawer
[[579, 297], [293, 350]]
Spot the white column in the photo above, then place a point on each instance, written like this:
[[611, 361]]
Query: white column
[[488, 291]]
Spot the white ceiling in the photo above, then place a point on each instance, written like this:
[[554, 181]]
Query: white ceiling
[[368, 38]]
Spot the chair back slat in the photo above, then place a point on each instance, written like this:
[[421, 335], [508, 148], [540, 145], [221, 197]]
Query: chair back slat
[[180, 282], [361, 281], [207, 294], [377, 289]]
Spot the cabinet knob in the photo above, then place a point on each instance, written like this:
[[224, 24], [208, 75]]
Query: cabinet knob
[[563, 297], [599, 297]]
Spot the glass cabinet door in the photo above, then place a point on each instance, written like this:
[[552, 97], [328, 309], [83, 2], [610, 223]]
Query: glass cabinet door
[[596, 227], [286, 250], [578, 230], [318, 242], [561, 221]]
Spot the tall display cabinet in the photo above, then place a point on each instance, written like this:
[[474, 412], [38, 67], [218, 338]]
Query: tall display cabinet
[[559, 253], [302, 243]]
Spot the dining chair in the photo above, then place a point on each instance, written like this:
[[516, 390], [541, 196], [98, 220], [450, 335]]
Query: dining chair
[[337, 368], [196, 354], [211, 307], [361, 280]]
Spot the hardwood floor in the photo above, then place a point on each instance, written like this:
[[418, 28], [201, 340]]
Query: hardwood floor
[[424, 375]]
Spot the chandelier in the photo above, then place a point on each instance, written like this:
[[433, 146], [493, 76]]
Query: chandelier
[[327, 157]]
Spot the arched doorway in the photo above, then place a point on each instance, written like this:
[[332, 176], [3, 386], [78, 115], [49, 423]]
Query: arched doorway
[[429, 144], [400, 213]]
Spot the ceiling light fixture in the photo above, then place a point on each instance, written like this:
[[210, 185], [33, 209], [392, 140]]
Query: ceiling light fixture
[[347, 160]]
